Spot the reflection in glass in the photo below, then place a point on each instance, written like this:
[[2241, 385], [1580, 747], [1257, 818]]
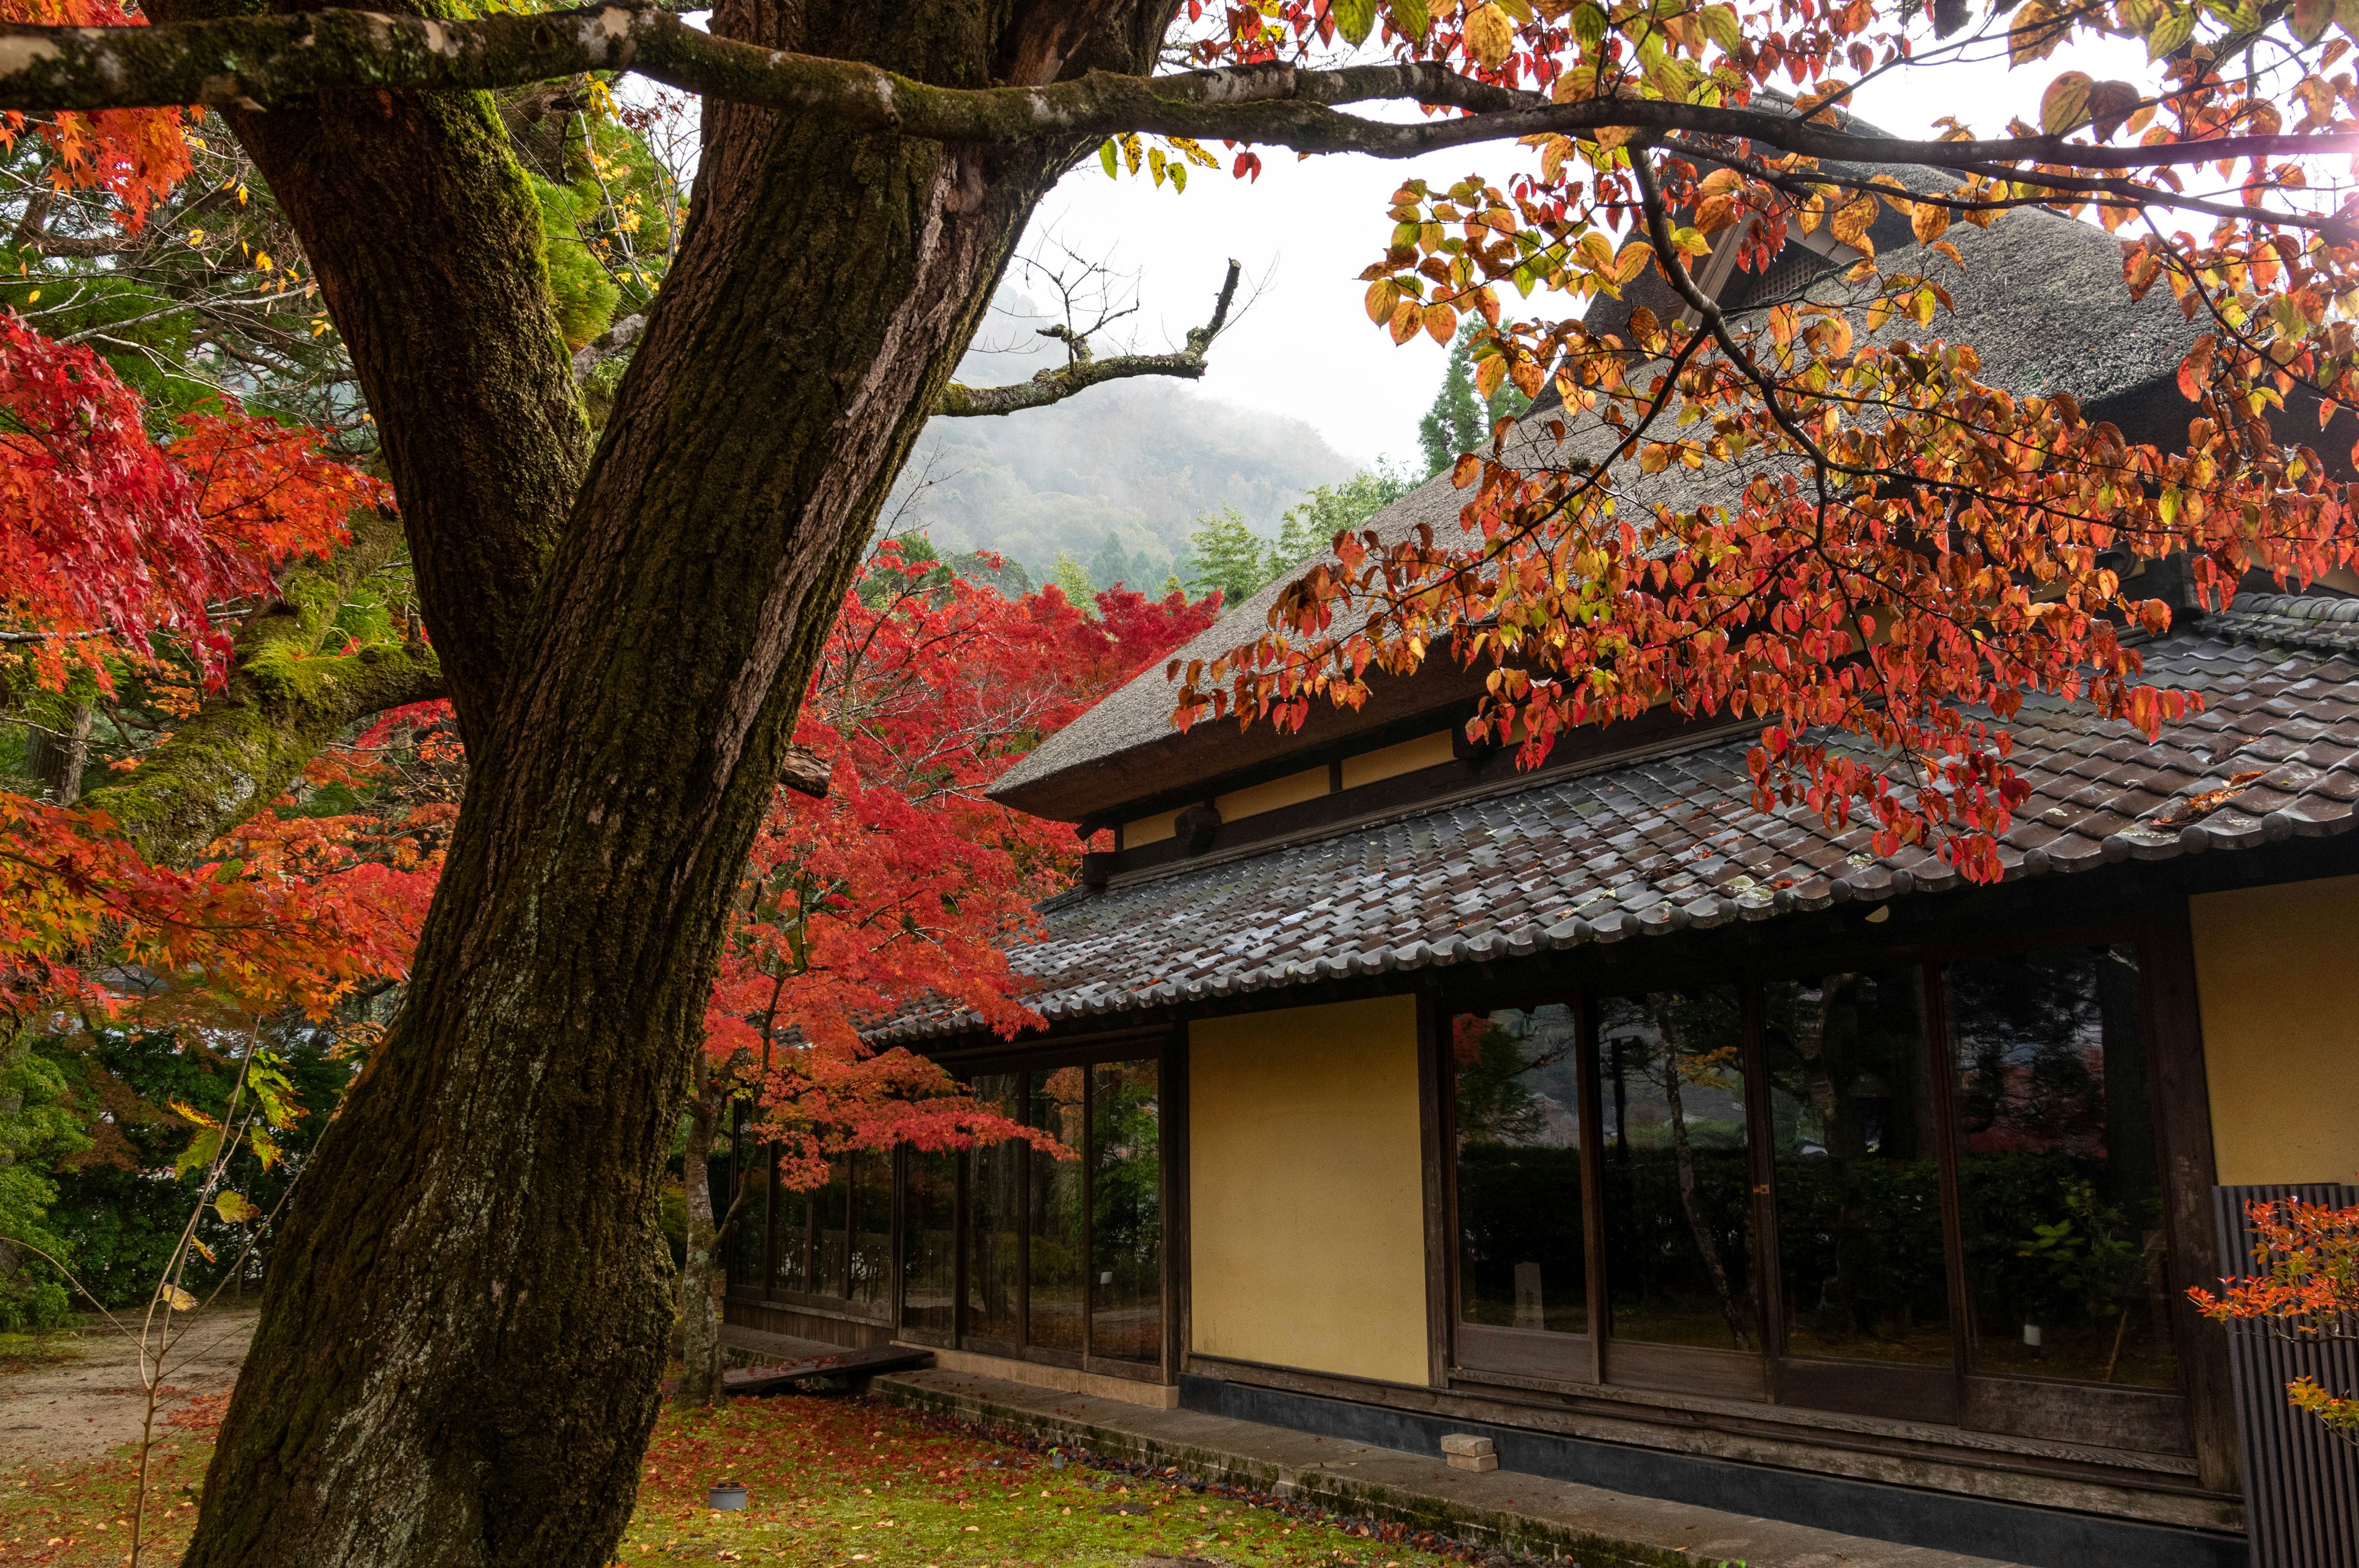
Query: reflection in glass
[[1054, 1263], [790, 1268], [1678, 1209], [2057, 1180], [1520, 1255], [751, 1236], [928, 1265], [995, 1207], [1127, 1212], [834, 1203], [1859, 1184], [872, 1227]]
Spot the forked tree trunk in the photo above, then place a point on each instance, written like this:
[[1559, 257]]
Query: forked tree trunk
[[465, 1319]]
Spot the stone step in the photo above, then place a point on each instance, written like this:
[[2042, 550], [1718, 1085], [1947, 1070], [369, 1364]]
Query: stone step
[[1499, 1508]]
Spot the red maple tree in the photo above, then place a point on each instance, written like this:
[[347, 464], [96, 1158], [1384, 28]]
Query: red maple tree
[[903, 880]]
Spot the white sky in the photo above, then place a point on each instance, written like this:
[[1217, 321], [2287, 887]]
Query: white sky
[[1308, 228]]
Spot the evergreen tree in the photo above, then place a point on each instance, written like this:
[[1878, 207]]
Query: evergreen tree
[[1311, 525], [1073, 579], [1459, 421], [1111, 565], [1227, 556]]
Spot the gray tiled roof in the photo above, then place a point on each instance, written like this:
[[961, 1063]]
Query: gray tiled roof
[[1671, 841]]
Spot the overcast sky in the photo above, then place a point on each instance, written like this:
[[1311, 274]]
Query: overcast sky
[[1306, 228]]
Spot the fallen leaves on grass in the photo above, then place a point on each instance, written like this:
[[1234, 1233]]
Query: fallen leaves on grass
[[831, 1482]]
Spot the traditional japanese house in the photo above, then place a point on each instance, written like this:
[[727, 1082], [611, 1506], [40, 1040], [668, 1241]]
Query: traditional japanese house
[[1688, 1150]]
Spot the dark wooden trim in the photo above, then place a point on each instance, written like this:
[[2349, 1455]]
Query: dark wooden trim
[[1760, 1150], [1893, 1392], [1688, 1369], [1526, 1352], [1130, 1371], [843, 1308], [897, 1276], [1178, 1323], [770, 1221], [2182, 1101], [1934, 1001], [1433, 1127], [1592, 1179], [2102, 1415], [1090, 1209]]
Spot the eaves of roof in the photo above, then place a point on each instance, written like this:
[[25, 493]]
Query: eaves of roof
[[1672, 842]]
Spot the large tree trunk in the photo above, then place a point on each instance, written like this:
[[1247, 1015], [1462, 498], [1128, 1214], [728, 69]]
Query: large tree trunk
[[465, 1318]]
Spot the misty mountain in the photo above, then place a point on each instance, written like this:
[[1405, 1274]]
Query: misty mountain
[[1142, 461]]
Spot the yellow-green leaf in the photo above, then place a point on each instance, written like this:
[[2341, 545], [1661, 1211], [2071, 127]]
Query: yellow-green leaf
[[1409, 19], [234, 1209], [1490, 36], [1355, 19], [2065, 105]]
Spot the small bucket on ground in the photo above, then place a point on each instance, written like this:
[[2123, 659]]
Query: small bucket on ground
[[726, 1495]]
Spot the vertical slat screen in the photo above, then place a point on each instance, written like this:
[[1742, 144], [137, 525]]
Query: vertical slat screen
[[2301, 1481]]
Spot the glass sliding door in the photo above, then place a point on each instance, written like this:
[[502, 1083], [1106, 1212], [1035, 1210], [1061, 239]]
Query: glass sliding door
[[1858, 1189], [748, 1243], [994, 1219], [1054, 1248], [791, 1263], [1125, 1211], [872, 1229], [1522, 1256], [830, 1251], [930, 1245], [2059, 1184], [1679, 1204]]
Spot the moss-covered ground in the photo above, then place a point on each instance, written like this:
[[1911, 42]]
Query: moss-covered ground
[[829, 1483]]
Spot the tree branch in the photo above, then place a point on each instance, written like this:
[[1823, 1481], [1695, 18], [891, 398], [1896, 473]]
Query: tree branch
[[253, 61], [1048, 386], [282, 703]]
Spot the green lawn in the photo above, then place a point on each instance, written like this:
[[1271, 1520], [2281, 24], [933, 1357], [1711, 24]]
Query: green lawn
[[831, 1482]]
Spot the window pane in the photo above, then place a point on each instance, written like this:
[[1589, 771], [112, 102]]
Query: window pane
[[834, 1203], [1679, 1208], [2057, 1178], [1520, 1256], [928, 1218], [1126, 1218], [994, 1208], [1055, 1261], [872, 1227], [792, 1266], [1859, 1181], [749, 1241]]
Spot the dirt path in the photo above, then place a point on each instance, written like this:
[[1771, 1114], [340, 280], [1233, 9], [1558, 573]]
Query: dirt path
[[91, 1402]]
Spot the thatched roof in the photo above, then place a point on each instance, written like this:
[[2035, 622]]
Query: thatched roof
[[2041, 299]]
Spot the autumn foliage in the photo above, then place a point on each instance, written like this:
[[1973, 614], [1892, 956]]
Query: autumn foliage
[[1875, 553], [2304, 1288], [906, 881]]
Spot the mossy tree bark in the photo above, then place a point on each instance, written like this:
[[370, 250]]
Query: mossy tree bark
[[467, 1312]]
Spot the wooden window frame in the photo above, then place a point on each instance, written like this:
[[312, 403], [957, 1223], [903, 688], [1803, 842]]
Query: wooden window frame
[[1169, 1054], [2178, 1420]]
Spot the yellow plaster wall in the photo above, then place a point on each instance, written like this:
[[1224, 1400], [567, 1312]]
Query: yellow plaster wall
[[1391, 762], [1306, 1205], [1251, 801], [2277, 972], [1148, 830]]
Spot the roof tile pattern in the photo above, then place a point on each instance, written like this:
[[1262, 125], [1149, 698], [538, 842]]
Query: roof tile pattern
[[1672, 842]]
